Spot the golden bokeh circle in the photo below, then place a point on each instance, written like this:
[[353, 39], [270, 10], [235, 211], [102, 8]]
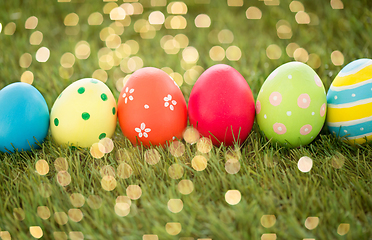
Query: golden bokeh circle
[[43, 212], [123, 199], [204, 145], [77, 200], [27, 77], [42, 167], [108, 183], [124, 170], [152, 156], [233, 197], [108, 144], [75, 215], [25, 60], [177, 148], [19, 214], [122, 209], [311, 222], [185, 186], [31, 22], [61, 218], [337, 58], [36, 231], [191, 135], [134, 192], [305, 164], [61, 164], [107, 170], [343, 229], [173, 228], [175, 205], [97, 150], [63, 178], [267, 221], [199, 163], [232, 166], [175, 171]]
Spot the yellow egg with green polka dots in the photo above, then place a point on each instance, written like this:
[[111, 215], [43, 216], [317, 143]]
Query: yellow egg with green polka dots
[[84, 113]]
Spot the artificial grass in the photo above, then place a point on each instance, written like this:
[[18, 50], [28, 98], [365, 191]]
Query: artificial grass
[[337, 190]]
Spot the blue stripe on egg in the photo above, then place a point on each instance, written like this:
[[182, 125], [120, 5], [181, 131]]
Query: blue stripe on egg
[[352, 130], [350, 95], [355, 67]]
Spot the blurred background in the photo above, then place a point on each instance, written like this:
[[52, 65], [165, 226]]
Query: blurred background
[[53, 43]]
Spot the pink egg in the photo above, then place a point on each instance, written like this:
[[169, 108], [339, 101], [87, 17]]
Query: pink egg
[[221, 105]]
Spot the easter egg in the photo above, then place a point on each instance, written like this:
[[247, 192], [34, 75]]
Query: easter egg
[[151, 108], [84, 113], [349, 101], [221, 105], [291, 105], [24, 117]]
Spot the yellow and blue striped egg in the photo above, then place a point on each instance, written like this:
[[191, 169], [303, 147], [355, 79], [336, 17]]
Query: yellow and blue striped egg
[[349, 100]]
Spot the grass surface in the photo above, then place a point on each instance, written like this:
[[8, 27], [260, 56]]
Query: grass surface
[[337, 190]]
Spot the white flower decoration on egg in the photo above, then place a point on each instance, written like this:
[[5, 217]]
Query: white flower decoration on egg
[[142, 131], [127, 95], [169, 102]]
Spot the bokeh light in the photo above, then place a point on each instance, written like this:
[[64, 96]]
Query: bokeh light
[[337, 58], [76, 215], [190, 55], [134, 192], [42, 167], [217, 53], [267, 221], [273, 51], [302, 17], [343, 229], [204, 145], [185, 186], [202, 21], [296, 6], [233, 53], [291, 48], [74, 235], [97, 150], [173, 228], [67, 60], [233, 197], [61, 218], [305, 164], [235, 3], [175, 171], [107, 170], [36, 38], [71, 19], [107, 143], [43, 212], [232, 166], [253, 13], [156, 17], [225, 36], [61, 164], [338, 160], [177, 8], [108, 183], [175, 205], [19, 214], [150, 237], [25, 60], [60, 235], [82, 50], [301, 55], [77, 200], [311, 222], [272, 2], [124, 170], [337, 4], [177, 148], [268, 236], [95, 18], [42, 54], [10, 28], [31, 22], [63, 178], [36, 231], [152, 156], [199, 163], [314, 61], [122, 209], [283, 29]]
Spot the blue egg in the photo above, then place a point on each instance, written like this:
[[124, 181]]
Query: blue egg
[[24, 117]]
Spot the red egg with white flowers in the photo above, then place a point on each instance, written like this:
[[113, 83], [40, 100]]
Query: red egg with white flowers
[[221, 105], [151, 108]]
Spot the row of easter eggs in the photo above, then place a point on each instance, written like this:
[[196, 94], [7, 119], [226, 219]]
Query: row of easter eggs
[[291, 108]]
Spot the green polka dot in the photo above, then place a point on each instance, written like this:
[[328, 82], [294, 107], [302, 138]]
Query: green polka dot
[[85, 115], [103, 97], [102, 135], [113, 110], [94, 81], [56, 122], [81, 90]]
